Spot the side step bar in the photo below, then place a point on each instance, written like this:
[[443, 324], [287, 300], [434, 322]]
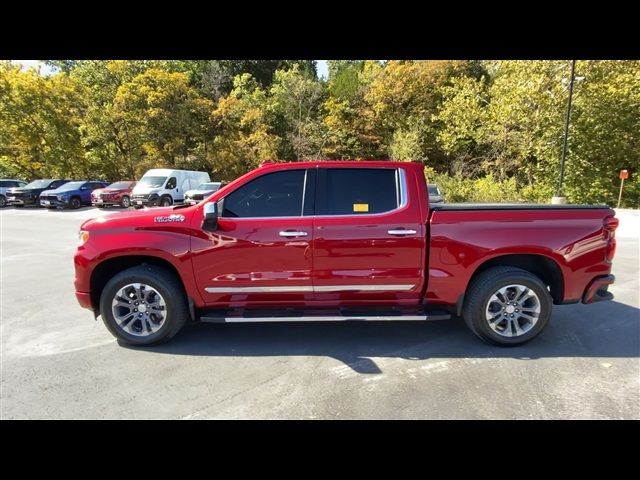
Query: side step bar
[[323, 318]]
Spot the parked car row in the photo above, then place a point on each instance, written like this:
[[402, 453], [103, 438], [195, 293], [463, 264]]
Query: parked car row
[[158, 187]]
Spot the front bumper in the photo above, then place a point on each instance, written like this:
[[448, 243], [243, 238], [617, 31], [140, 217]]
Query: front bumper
[[191, 201], [104, 203], [152, 201], [84, 299], [597, 290], [51, 203], [21, 200]]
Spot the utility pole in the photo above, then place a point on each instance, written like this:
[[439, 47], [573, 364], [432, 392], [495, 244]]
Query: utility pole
[[559, 198]]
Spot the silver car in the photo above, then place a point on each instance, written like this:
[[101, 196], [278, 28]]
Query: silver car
[[435, 196], [6, 184], [191, 197]]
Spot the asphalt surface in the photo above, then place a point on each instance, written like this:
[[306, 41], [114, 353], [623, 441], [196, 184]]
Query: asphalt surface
[[57, 362]]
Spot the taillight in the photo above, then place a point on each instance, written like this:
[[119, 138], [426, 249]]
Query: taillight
[[610, 224]]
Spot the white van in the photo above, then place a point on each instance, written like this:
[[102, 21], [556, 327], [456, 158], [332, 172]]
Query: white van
[[165, 187]]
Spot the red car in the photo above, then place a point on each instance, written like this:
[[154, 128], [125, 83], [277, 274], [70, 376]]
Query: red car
[[118, 193], [342, 241]]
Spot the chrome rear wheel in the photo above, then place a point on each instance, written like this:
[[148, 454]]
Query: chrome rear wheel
[[513, 310]]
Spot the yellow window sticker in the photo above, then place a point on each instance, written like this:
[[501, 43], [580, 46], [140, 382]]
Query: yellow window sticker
[[360, 207]]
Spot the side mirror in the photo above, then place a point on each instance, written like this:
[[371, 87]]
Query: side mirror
[[210, 221], [84, 187]]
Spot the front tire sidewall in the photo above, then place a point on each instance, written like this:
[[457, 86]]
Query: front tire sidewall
[[175, 305], [75, 203], [3, 201], [126, 202], [166, 202], [475, 314]]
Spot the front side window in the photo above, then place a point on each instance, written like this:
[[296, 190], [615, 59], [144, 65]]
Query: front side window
[[277, 194], [357, 191], [171, 183]]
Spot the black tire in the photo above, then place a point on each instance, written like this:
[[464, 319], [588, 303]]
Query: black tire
[[3, 201], [75, 203], [19, 205], [166, 283], [99, 206], [125, 202], [485, 285], [166, 201]]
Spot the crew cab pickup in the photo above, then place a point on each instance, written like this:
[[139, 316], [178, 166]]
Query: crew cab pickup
[[330, 240]]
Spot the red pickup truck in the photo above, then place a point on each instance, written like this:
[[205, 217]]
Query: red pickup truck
[[344, 240]]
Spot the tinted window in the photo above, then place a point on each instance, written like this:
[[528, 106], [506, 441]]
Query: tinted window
[[355, 191], [433, 190], [58, 183], [5, 184], [171, 183], [120, 185], [277, 194]]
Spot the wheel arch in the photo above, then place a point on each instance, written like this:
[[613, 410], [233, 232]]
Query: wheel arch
[[544, 267], [110, 267]]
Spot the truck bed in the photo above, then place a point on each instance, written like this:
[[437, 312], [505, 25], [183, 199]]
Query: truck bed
[[511, 206]]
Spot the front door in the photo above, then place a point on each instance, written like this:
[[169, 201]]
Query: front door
[[368, 239], [261, 251]]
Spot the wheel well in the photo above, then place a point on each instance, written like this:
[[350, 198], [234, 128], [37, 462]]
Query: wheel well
[[543, 267], [107, 269]]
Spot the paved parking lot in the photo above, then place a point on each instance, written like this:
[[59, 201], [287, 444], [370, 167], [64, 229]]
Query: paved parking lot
[[57, 362]]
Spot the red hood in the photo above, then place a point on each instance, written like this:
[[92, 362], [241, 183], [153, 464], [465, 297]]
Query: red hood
[[137, 218]]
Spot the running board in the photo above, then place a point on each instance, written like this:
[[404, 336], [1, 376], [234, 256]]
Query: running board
[[323, 318]]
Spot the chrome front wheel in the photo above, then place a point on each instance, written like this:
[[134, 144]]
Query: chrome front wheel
[[139, 309]]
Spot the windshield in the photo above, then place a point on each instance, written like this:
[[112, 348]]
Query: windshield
[[119, 185], [433, 190], [209, 186], [71, 186], [39, 184], [152, 181]]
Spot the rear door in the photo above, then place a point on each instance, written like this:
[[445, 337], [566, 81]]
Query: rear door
[[261, 252], [368, 238]]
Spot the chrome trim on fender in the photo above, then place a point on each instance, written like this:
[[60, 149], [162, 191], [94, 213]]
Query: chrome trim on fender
[[362, 288], [304, 288], [295, 289]]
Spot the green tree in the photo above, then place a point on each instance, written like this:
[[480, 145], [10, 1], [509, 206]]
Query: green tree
[[296, 101], [40, 118], [245, 137], [165, 115]]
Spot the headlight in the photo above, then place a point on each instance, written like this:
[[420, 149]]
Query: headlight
[[61, 197], [83, 236]]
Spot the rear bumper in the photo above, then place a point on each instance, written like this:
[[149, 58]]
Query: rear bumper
[[597, 290]]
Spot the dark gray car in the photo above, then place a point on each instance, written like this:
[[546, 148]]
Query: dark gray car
[[6, 184], [435, 196]]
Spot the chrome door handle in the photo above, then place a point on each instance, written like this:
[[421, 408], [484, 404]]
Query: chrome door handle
[[287, 233], [402, 232]]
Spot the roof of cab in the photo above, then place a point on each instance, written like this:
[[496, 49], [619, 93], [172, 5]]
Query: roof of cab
[[340, 163]]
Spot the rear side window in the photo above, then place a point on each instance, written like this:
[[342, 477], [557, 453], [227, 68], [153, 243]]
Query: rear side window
[[357, 191], [277, 194]]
